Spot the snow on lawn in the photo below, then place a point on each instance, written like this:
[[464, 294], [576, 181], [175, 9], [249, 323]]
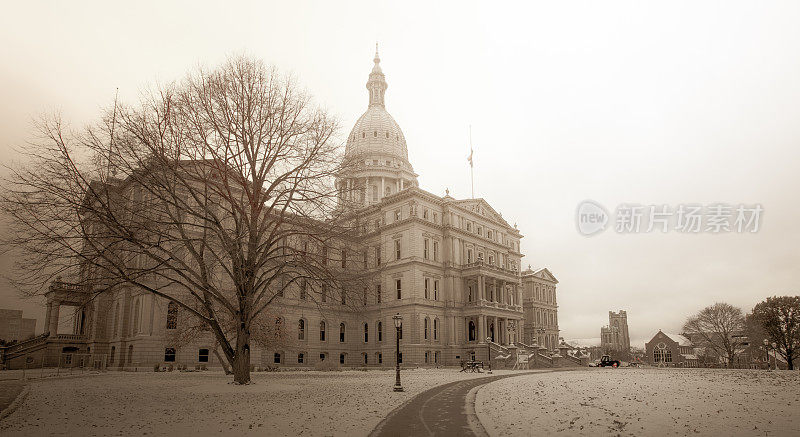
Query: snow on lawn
[[643, 402], [175, 403]]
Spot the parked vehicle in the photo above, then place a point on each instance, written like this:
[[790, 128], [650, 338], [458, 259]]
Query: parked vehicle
[[606, 361]]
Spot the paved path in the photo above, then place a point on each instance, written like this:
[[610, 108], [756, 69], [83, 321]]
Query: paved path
[[440, 411], [9, 391]]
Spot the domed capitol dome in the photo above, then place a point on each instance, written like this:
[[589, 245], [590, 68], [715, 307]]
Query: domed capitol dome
[[376, 151]]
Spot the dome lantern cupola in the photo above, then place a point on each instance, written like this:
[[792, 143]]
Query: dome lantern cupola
[[376, 85], [376, 156]]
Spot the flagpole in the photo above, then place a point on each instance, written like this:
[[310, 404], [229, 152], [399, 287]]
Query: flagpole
[[471, 169]]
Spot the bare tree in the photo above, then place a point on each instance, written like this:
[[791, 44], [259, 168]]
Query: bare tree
[[717, 327], [779, 318], [216, 193]]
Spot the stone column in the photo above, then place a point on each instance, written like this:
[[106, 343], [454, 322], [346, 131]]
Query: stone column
[[383, 189], [53, 322], [401, 184], [47, 316], [480, 289], [481, 328], [496, 330]]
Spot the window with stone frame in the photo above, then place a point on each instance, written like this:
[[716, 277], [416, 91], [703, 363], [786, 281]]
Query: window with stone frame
[[435, 329], [426, 328], [426, 287], [202, 355], [169, 355], [276, 359], [300, 358], [435, 250], [397, 252], [378, 255], [366, 332], [321, 331], [380, 331], [301, 329], [399, 286], [425, 243], [341, 332], [435, 289]]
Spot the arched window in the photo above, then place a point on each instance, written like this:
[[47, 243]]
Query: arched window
[[321, 331], [341, 332], [366, 332], [435, 329], [172, 315], [471, 330], [380, 331], [301, 329]]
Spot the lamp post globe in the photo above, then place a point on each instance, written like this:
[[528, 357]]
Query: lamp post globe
[[398, 325]]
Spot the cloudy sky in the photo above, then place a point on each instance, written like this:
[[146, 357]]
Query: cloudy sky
[[662, 103]]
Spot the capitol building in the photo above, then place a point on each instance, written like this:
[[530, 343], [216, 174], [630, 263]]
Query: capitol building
[[452, 268]]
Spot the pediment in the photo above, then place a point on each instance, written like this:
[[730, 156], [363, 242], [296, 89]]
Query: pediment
[[481, 207]]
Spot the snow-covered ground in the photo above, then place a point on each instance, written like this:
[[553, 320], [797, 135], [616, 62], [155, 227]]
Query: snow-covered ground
[[284, 403], [643, 402]]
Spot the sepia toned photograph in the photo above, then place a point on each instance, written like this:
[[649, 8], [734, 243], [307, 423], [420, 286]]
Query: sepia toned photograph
[[374, 218]]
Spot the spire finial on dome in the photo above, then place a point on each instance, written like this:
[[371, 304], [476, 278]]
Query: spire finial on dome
[[376, 83]]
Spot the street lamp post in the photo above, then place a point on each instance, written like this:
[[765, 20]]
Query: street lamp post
[[766, 350], [489, 348], [398, 325], [775, 354]]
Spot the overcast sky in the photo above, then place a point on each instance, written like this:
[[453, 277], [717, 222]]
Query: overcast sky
[[661, 103]]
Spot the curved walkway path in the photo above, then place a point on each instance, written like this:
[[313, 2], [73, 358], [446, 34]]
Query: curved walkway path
[[442, 411]]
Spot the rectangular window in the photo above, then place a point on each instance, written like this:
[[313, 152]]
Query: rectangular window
[[397, 253], [435, 290], [427, 283], [378, 255], [169, 355], [435, 218], [399, 285], [202, 355], [277, 358], [380, 358], [469, 256], [300, 358], [425, 248], [397, 215], [435, 250]]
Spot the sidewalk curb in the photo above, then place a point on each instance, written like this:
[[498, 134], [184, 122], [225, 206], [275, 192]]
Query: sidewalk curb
[[16, 403]]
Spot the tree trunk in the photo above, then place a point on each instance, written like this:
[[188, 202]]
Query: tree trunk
[[241, 359], [789, 361]]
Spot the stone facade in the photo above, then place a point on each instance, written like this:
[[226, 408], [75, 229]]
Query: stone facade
[[615, 336], [449, 267], [540, 307]]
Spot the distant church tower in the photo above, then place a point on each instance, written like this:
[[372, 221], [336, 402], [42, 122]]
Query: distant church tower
[[615, 336], [376, 156]]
